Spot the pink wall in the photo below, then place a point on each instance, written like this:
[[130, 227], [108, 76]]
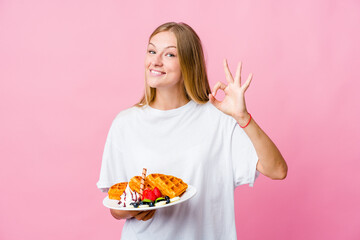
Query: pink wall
[[68, 67]]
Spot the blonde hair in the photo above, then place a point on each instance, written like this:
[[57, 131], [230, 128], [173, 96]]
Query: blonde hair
[[192, 63]]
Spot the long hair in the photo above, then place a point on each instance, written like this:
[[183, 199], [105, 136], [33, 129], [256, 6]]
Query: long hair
[[192, 64]]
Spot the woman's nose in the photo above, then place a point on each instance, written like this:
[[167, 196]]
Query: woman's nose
[[157, 61]]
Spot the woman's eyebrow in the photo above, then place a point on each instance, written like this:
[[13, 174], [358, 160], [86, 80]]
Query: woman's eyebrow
[[164, 48]]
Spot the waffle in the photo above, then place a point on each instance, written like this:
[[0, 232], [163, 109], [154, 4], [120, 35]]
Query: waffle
[[117, 190], [168, 185], [134, 184]]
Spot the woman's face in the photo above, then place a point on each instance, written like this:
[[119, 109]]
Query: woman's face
[[162, 66]]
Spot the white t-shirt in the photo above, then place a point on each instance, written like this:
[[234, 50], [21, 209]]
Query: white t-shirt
[[197, 143]]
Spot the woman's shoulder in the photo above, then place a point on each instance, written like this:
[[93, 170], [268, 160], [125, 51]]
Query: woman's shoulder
[[211, 109], [215, 115], [126, 115]]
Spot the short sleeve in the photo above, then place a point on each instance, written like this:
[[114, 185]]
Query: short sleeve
[[243, 157], [111, 167]]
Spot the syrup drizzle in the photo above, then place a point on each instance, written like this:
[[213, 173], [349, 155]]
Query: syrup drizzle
[[134, 197]]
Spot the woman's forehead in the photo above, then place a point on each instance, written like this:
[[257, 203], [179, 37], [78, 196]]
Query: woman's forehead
[[163, 40]]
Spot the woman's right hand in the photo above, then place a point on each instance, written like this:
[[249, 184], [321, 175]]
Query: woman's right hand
[[139, 215]]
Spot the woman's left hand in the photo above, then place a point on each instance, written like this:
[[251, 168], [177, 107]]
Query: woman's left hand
[[234, 102]]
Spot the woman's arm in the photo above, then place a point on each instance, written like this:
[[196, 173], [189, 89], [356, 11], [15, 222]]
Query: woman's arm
[[271, 163], [139, 215]]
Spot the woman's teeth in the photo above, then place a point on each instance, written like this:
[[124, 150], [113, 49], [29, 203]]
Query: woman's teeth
[[156, 72]]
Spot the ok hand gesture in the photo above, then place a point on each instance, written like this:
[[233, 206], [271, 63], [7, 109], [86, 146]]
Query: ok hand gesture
[[234, 101]]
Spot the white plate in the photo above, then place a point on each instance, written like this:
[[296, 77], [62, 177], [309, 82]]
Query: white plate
[[113, 204]]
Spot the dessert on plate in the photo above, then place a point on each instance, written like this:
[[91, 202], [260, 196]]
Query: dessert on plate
[[168, 185], [148, 191]]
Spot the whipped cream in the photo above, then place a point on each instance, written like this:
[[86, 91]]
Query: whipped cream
[[127, 197]]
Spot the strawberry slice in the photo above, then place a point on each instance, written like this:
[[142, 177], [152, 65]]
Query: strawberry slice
[[150, 195], [145, 193], [157, 193]]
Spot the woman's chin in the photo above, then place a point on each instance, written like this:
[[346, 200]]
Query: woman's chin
[[162, 83], [155, 84]]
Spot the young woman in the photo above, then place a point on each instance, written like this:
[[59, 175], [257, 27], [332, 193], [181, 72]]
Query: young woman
[[179, 128]]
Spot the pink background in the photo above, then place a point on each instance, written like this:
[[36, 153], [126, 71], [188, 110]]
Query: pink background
[[68, 67]]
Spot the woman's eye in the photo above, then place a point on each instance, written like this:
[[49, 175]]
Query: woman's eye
[[151, 52], [170, 55]]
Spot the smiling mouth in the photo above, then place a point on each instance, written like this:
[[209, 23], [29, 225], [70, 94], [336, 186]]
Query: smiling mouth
[[156, 73]]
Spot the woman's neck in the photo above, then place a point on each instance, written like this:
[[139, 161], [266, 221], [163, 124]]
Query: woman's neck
[[167, 100]]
